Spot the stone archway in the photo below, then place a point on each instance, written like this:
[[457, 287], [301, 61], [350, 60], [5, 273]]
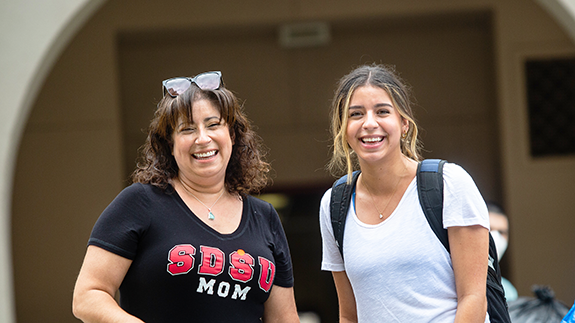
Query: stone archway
[[33, 36]]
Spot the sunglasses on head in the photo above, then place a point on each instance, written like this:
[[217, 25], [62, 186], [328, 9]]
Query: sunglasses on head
[[205, 81]]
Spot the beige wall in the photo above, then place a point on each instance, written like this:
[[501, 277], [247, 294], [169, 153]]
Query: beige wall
[[464, 60], [33, 34], [538, 192]]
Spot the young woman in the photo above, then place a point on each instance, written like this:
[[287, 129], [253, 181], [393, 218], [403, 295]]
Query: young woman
[[394, 268], [185, 242]]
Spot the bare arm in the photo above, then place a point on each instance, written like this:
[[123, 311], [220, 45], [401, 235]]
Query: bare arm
[[347, 309], [469, 254], [100, 277], [280, 306]]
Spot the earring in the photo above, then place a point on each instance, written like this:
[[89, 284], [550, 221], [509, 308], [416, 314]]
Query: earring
[[404, 135]]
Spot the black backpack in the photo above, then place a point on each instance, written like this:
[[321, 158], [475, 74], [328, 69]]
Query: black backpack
[[430, 191]]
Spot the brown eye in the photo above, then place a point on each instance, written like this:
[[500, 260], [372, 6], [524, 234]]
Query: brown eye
[[187, 129], [354, 114]]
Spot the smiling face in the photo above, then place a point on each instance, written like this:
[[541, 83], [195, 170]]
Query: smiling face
[[202, 149], [374, 126]]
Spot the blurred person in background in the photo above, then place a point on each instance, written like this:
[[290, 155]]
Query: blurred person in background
[[499, 227]]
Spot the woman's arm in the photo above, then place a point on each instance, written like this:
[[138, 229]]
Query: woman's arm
[[280, 306], [347, 309], [469, 255], [100, 277]]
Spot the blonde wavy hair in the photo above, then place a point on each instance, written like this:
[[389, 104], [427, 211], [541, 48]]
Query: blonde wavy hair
[[343, 160]]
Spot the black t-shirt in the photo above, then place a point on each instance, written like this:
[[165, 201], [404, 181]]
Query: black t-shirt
[[183, 270]]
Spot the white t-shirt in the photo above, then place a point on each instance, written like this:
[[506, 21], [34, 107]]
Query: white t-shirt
[[398, 269]]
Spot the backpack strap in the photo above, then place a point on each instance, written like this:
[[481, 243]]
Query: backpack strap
[[430, 192], [339, 204]]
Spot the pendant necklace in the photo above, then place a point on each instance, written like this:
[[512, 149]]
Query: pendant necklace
[[210, 214], [386, 205]]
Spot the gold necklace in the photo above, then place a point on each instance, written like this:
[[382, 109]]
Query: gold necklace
[[391, 198], [210, 214]]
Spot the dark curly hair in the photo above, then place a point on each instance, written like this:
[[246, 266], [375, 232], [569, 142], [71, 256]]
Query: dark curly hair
[[246, 173]]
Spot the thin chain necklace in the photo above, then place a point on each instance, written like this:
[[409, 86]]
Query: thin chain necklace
[[210, 214], [391, 198]]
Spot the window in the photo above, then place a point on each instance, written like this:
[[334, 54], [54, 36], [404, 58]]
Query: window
[[551, 103]]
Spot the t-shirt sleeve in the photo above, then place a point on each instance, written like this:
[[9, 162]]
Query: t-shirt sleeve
[[463, 204], [284, 271], [120, 226], [331, 257]]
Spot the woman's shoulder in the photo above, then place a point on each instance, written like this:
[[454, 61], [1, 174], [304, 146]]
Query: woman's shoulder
[[136, 189], [262, 212], [454, 174], [141, 192], [326, 198], [463, 202], [258, 204], [453, 168]]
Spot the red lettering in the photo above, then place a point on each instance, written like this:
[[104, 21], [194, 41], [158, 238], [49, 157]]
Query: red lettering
[[267, 273], [212, 261], [241, 268], [181, 259]]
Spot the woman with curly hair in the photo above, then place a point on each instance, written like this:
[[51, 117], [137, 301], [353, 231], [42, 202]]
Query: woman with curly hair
[[186, 242]]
